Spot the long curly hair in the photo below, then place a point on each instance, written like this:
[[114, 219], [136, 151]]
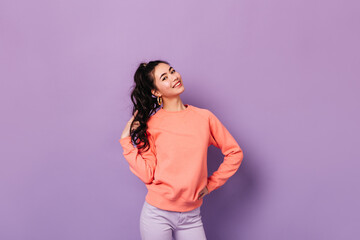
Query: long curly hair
[[144, 101]]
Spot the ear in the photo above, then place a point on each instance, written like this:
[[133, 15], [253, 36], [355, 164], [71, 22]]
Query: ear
[[155, 93]]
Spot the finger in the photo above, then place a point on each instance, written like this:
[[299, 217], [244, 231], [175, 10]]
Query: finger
[[135, 113], [200, 194], [133, 116]]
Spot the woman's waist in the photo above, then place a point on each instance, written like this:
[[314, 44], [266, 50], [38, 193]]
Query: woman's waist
[[183, 191]]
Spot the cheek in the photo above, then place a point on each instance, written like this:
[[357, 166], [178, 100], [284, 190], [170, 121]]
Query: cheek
[[166, 85]]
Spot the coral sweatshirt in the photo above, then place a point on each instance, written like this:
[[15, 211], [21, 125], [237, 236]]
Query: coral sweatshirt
[[174, 169]]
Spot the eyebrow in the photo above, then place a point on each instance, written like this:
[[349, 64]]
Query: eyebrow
[[165, 73]]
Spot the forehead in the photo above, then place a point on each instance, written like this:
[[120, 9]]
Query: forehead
[[160, 69]]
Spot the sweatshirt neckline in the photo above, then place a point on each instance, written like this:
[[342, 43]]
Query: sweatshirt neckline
[[188, 106]]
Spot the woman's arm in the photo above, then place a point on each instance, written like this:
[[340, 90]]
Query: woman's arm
[[141, 164], [233, 154]]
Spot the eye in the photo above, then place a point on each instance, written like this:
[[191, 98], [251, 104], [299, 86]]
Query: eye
[[171, 72]]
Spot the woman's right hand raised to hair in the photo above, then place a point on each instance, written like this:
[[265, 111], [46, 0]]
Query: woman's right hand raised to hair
[[126, 131]]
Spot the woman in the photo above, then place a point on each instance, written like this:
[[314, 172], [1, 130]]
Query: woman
[[169, 153]]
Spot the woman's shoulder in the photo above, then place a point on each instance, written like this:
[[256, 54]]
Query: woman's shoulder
[[154, 119], [201, 110]]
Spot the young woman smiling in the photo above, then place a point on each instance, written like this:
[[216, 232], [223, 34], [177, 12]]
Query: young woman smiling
[[166, 147]]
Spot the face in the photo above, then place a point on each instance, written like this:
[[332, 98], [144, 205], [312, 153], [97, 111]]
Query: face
[[166, 78]]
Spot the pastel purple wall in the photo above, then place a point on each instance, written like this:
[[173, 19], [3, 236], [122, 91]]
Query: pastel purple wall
[[282, 76]]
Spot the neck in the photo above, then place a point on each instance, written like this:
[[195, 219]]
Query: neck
[[173, 105]]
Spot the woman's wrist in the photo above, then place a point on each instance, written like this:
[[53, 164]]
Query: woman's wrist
[[125, 136]]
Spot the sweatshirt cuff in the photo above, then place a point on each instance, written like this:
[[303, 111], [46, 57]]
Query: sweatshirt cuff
[[126, 142]]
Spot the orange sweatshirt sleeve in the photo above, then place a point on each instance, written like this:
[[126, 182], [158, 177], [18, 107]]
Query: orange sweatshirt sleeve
[[233, 154], [141, 164]]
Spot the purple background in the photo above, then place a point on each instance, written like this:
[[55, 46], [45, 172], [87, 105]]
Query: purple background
[[282, 76]]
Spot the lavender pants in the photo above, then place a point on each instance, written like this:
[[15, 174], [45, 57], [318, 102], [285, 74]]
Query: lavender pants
[[158, 224]]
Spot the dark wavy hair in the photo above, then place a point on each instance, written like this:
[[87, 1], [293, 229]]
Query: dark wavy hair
[[144, 101]]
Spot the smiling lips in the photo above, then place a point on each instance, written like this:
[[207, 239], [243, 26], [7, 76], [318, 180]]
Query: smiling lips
[[177, 84]]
